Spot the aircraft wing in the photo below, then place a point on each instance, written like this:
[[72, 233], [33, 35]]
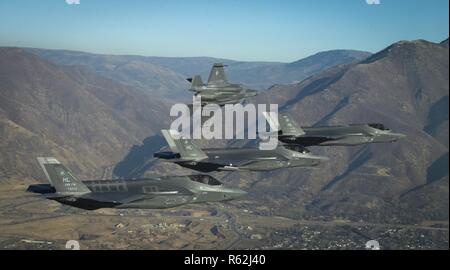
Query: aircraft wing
[[148, 196], [136, 198], [346, 136], [233, 165]]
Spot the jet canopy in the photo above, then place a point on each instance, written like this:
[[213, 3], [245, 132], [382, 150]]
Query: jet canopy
[[378, 126], [205, 179]]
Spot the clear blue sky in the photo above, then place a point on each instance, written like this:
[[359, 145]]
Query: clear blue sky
[[236, 29]]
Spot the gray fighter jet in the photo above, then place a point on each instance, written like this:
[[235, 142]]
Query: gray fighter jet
[[186, 154], [291, 133], [152, 193], [218, 90]]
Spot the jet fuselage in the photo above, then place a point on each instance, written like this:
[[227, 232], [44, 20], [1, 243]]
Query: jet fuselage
[[151, 193], [247, 159], [342, 135]]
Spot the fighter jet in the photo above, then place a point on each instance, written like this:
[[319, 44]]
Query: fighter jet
[[290, 132], [187, 154], [148, 193], [218, 90]]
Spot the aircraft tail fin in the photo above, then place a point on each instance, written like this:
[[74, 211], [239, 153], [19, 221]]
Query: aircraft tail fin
[[61, 178], [217, 75], [185, 147], [289, 126], [285, 125], [196, 82]]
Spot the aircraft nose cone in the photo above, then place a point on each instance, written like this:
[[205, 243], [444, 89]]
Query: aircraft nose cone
[[397, 136], [323, 158], [318, 160], [237, 193], [252, 93]]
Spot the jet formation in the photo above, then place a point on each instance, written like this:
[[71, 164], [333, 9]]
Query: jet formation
[[170, 191], [291, 152]]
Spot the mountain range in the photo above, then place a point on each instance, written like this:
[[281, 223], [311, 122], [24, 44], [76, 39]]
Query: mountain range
[[90, 110], [405, 87], [165, 77], [101, 115], [67, 111]]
